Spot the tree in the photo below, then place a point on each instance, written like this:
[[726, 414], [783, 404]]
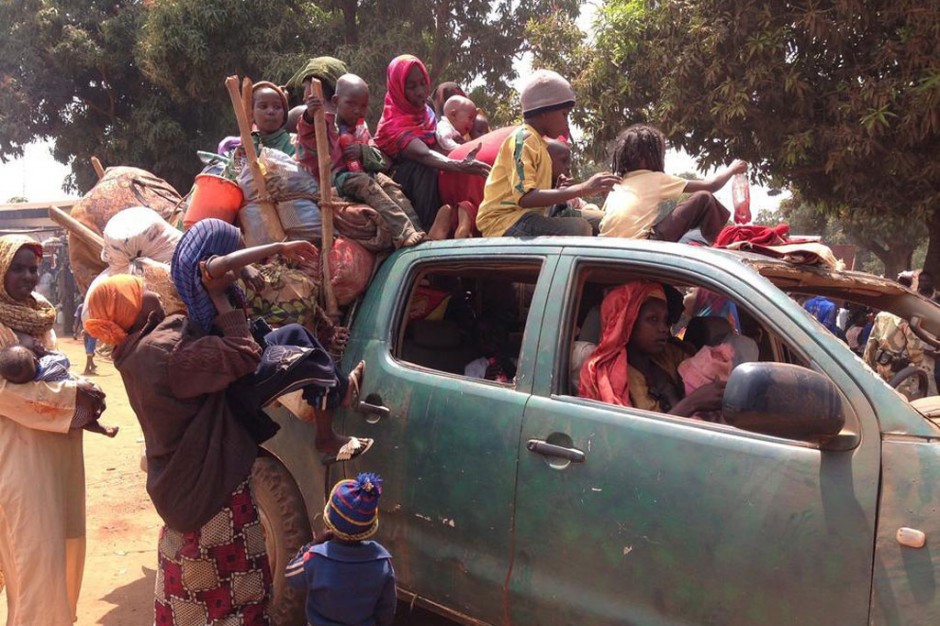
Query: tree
[[839, 99], [141, 83]]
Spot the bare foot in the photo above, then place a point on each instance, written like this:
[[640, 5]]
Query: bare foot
[[338, 340], [413, 239], [440, 229], [464, 227], [355, 382], [101, 429]]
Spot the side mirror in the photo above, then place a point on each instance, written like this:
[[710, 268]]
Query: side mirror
[[784, 401]]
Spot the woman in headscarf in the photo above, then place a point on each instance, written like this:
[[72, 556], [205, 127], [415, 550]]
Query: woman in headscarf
[[635, 364], [42, 472], [406, 134]]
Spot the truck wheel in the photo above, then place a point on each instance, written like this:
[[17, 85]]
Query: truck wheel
[[286, 530]]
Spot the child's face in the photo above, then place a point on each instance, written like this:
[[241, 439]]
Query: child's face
[[553, 123], [351, 106], [463, 118], [416, 87], [561, 162], [268, 110], [651, 330]]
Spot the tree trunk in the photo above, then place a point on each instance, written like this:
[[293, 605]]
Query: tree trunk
[[350, 28], [932, 261]]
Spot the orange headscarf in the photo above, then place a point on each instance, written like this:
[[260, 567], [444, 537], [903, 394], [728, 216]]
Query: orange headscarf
[[113, 307], [605, 374]]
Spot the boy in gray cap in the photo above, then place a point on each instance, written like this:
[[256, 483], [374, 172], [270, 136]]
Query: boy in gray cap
[[519, 187]]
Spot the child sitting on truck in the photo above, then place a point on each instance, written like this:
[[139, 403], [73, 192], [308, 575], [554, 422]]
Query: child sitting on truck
[[359, 174], [632, 209], [454, 127], [519, 187]]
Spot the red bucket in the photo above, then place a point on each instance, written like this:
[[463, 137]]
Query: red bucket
[[213, 196]]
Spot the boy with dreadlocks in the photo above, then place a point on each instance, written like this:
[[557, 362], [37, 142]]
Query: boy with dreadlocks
[[633, 207]]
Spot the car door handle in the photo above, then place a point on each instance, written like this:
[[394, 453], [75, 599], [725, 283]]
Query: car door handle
[[376, 410], [549, 449]]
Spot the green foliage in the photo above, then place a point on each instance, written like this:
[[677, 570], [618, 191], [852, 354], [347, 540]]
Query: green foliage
[[839, 99]]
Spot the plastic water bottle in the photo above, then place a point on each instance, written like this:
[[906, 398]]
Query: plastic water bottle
[[359, 136], [741, 196]]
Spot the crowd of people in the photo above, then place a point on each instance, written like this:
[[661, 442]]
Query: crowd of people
[[198, 381], [434, 170]]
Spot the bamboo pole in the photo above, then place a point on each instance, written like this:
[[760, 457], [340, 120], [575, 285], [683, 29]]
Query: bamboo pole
[[99, 170], [326, 200], [272, 223], [76, 228]]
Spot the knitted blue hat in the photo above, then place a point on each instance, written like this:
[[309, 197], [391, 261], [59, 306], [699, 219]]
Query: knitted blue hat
[[206, 238], [352, 512]]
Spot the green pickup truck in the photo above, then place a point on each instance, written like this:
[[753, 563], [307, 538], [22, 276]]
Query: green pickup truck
[[518, 502]]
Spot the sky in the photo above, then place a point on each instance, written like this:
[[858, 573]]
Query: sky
[[39, 177]]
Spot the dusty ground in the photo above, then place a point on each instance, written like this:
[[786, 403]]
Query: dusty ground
[[122, 525]]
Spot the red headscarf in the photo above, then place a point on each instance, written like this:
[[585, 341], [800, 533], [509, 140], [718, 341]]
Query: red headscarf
[[604, 376], [401, 121]]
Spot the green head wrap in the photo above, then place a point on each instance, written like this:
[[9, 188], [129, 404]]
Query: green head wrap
[[325, 69]]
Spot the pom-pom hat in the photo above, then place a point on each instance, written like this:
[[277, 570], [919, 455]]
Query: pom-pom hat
[[546, 90], [352, 512]]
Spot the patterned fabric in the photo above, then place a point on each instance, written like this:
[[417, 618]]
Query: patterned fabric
[[218, 575], [35, 316], [403, 122], [207, 238], [891, 342], [352, 511]]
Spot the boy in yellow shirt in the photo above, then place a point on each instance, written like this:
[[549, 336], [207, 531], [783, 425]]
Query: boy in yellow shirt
[[519, 187]]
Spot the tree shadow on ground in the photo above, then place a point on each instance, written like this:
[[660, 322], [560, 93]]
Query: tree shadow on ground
[[128, 609]]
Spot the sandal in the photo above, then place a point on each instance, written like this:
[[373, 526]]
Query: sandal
[[353, 448]]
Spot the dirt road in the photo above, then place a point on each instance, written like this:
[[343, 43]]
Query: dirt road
[[122, 525]]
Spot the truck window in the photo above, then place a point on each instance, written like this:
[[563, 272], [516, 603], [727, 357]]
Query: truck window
[[697, 317], [467, 319]]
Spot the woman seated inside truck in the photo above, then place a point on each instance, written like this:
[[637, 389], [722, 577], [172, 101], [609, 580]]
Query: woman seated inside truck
[[635, 364]]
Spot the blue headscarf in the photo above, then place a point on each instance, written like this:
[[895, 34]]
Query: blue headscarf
[[206, 238]]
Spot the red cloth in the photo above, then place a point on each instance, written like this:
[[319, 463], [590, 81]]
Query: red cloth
[[604, 376], [402, 122], [455, 187], [758, 235]]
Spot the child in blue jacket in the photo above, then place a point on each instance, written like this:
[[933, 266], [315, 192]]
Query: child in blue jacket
[[349, 581]]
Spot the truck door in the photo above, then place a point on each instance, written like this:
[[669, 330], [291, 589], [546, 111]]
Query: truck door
[[446, 442], [626, 516]]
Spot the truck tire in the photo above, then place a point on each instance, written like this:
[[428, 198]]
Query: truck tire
[[286, 530]]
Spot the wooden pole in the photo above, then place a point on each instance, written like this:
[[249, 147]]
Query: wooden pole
[[326, 200], [99, 170], [272, 223], [77, 229]]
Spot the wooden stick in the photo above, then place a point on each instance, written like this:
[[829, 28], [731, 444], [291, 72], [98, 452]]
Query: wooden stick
[[76, 228], [99, 170], [272, 224], [326, 200]]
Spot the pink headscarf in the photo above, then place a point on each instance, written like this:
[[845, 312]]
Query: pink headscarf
[[402, 122], [605, 374]]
